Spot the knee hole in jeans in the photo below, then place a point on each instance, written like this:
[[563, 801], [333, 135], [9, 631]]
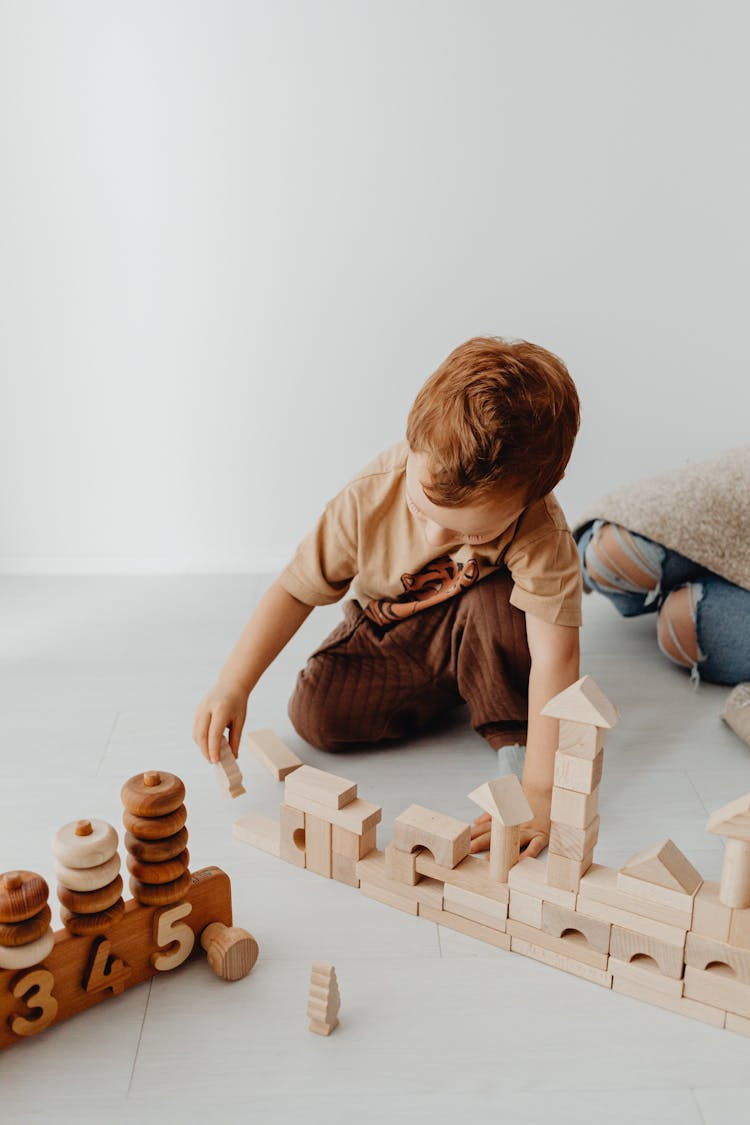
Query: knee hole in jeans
[[677, 626], [617, 561]]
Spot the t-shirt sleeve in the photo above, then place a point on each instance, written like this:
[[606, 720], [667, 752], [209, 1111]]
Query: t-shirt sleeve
[[546, 572], [325, 562]]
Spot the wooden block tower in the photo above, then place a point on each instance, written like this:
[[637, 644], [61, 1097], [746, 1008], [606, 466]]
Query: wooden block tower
[[503, 798]]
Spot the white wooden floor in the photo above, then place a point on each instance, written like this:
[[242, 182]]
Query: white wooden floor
[[100, 678]]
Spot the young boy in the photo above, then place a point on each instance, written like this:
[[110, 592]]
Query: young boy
[[468, 582]]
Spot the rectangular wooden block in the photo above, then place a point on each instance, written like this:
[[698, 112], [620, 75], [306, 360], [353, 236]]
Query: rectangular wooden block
[[447, 838], [652, 893], [371, 870], [573, 843], [325, 788], [401, 866], [600, 884], [462, 925], [259, 831], [525, 908], [476, 907], [573, 945], [646, 975], [581, 739], [353, 844], [740, 1024], [575, 809], [581, 774], [739, 930], [709, 987], [318, 846], [637, 922], [357, 817], [292, 835], [268, 748], [702, 951], [566, 873], [530, 877], [626, 944], [344, 869], [558, 961], [680, 1004], [472, 873], [556, 920], [710, 916], [388, 898]]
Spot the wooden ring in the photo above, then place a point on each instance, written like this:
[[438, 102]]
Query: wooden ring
[[22, 933], [156, 874], [90, 902], [73, 849], [22, 895], [156, 851], [162, 894], [89, 925], [155, 827], [88, 878], [154, 793], [24, 956]]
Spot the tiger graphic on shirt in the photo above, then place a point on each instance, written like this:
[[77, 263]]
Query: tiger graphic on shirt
[[441, 579]]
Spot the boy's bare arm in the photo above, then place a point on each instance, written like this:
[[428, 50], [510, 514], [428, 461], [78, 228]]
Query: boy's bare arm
[[273, 623]]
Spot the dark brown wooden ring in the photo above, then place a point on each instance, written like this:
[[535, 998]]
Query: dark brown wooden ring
[[156, 851], [89, 925], [152, 800], [156, 874], [155, 827], [22, 895], [90, 902], [22, 933], [163, 894]]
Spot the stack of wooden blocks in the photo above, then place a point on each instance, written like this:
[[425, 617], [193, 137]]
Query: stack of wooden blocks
[[653, 930]]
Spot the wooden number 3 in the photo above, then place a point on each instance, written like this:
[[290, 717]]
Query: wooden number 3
[[168, 930], [41, 981]]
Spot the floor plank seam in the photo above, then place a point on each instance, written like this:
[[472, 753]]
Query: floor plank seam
[[140, 1037]]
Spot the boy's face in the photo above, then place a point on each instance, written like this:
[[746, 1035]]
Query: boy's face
[[479, 522]]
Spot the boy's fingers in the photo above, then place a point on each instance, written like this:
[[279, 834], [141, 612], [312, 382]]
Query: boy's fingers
[[536, 845], [200, 731], [480, 843], [235, 734], [215, 733]]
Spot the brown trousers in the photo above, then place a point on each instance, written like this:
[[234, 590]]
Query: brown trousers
[[368, 683]]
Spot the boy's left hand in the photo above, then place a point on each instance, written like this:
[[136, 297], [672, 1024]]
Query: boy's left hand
[[534, 834]]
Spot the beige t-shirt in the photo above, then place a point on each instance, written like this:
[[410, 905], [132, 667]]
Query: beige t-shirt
[[368, 539]]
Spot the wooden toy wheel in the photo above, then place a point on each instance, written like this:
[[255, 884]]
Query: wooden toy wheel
[[232, 951]]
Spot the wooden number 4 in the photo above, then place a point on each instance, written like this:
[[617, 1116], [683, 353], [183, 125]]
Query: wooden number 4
[[105, 970], [169, 930], [41, 981]]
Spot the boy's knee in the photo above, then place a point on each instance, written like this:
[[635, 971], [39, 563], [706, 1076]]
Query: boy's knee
[[323, 718], [677, 625]]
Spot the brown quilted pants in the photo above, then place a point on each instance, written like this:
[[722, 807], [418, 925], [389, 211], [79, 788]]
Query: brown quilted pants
[[368, 683]]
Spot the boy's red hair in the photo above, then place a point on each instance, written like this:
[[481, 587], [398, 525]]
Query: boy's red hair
[[496, 413]]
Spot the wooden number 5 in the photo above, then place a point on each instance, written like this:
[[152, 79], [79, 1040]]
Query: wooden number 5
[[42, 981], [168, 930]]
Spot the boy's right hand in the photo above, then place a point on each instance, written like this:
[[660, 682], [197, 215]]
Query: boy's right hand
[[224, 707]]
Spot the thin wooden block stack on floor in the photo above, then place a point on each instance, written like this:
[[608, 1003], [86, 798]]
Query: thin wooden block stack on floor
[[585, 715]]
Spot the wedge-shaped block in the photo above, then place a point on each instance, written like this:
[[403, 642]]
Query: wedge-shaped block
[[732, 820], [712, 986], [388, 897], [627, 945], [353, 844], [559, 920], [666, 866], [259, 831], [573, 945], [448, 839], [566, 873], [292, 835], [474, 906], [580, 774], [581, 739], [472, 873], [275, 755], [710, 916], [371, 870], [325, 788], [575, 809], [401, 866], [583, 702], [559, 961], [525, 908], [739, 932], [702, 952], [451, 921], [504, 799], [600, 884], [344, 869], [646, 974], [357, 817], [318, 846], [653, 893], [530, 877], [680, 1004], [573, 843]]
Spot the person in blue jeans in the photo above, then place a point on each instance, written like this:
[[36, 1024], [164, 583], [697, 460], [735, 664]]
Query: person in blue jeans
[[703, 620]]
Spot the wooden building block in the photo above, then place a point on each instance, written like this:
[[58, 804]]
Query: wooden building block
[[666, 866], [359, 816], [388, 897], [371, 870], [583, 702], [259, 831], [740, 1024], [352, 844], [325, 788], [318, 845], [600, 884], [530, 877], [573, 843], [739, 930], [451, 921], [227, 771], [703, 951], [710, 916], [566, 873], [627, 945], [580, 774], [525, 908], [558, 920], [573, 945], [445, 837], [680, 1004], [401, 866], [268, 748], [652, 892], [711, 986], [646, 974], [580, 738], [640, 924], [558, 960], [344, 869], [476, 907], [472, 873], [292, 835], [734, 889], [575, 809]]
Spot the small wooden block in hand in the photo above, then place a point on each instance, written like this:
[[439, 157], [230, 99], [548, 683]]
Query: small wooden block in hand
[[228, 772]]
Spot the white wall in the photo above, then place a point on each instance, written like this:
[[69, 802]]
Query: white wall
[[236, 237]]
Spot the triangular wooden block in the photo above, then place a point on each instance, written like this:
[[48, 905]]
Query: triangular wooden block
[[665, 866], [583, 702], [732, 820], [504, 799]]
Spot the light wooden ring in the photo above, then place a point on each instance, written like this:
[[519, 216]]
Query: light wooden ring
[[74, 850], [142, 795], [155, 827], [24, 956], [88, 878]]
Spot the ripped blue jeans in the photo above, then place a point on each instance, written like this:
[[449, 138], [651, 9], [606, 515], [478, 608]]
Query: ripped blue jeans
[[720, 610]]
